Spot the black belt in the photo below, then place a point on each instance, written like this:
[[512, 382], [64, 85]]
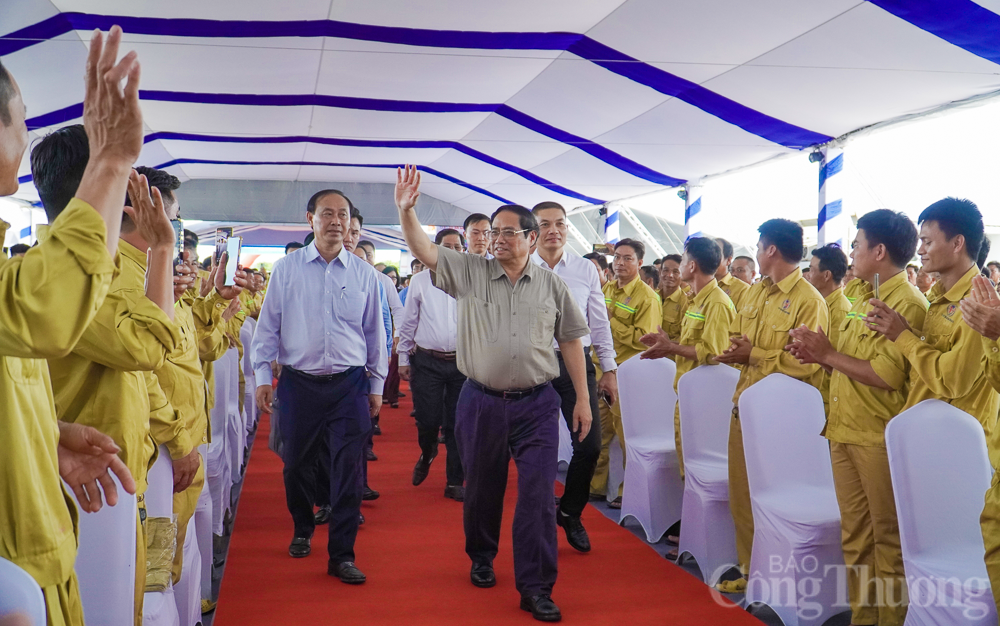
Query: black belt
[[437, 354], [510, 394], [321, 378]]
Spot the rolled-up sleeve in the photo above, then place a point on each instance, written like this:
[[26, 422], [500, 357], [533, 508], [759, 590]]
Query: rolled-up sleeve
[[950, 374], [570, 322], [600, 327]]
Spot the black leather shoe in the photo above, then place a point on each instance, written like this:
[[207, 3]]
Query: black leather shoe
[[370, 455], [482, 576], [576, 534], [455, 492], [377, 430], [394, 405], [541, 608], [347, 572], [421, 469], [369, 494], [401, 394], [301, 547], [322, 516], [361, 519]]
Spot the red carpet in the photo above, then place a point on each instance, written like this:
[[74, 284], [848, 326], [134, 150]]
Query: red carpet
[[412, 549]]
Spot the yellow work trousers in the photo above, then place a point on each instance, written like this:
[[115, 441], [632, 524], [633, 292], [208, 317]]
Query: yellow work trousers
[[869, 529], [990, 523], [62, 603], [185, 503], [611, 425], [739, 495], [677, 437]]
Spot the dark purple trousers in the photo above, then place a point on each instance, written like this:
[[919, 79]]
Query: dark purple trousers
[[491, 430]]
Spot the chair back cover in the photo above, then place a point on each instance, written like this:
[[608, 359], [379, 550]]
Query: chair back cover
[[223, 382], [646, 394], [19, 593], [706, 399], [160, 492]]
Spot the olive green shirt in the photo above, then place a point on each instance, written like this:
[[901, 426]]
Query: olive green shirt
[[505, 331]]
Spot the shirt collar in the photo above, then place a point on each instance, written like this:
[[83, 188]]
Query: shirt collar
[[497, 270], [675, 296], [884, 289], [834, 295], [629, 289], [707, 290], [725, 280], [564, 260], [786, 283], [132, 253], [311, 253], [958, 291]]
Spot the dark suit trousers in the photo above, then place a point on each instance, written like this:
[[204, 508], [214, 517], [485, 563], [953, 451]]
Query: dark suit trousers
[[586, 452], [436, 384]]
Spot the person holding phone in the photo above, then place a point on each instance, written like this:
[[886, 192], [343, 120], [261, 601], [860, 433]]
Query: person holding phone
[[581, 277]]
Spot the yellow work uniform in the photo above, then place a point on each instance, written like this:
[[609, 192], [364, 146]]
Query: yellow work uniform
[[768, 311], [47, 300], [990, 518], [706, 327], [855, 426], [855, 288], [735, 288], [674, 306], [634, 311], [251, 302], [837, 306]]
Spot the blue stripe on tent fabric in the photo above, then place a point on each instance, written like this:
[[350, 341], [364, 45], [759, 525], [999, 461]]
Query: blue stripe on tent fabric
[[828, 212], [422, 168], [752, 121], [692, 236], [692, 210], [372, 143], [831, 169], [962, 23], [611, 219], [24, 179], [371, 104], [25, 232]]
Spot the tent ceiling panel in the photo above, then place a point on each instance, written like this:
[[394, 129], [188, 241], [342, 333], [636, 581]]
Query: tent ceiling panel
[[18, 14], [357, 154], [469, 169], [241, 172], [47, 85], [442, 189], [248, 9], [513, 143], [357, 174], [233, 151], [212, 119], [334, 122]]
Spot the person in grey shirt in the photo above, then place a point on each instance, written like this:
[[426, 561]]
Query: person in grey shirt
[[509, 312]]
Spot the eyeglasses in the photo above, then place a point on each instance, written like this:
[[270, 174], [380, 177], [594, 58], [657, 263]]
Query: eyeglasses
[[506, 233]]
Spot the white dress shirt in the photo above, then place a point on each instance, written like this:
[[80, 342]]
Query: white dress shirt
[[395, 304], [321, 318], [430, 319], [581, 277]]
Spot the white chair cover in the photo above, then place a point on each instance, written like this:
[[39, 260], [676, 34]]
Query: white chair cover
[[236, 423], [796, 543], [565, 444], [159, 607], [217, 473], [203, 528], [940, 470], [707, 531], [19, 593], [250, 400], [105, 561], [653, 487], [187, 592]]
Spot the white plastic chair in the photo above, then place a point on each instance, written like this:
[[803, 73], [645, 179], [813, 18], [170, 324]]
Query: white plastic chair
[[940, 470], [19, 593], [796, 542], [159, 607], [707, 531], [187, 593], [105, 560], [217, 468], [203, 528], [250, 399], [653, 488], [235, 422]]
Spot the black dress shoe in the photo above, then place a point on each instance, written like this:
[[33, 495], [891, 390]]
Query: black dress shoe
[[370, 455], [369, 494], [347, 572], [455, 492], [361, 519], [541, 608], [301, 547], [482, 576], [576, 534], [401, 394], [421, 469], [322, 516], [377, 430], [394, 405]]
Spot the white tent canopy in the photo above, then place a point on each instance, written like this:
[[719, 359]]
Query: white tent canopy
[[511, 101]]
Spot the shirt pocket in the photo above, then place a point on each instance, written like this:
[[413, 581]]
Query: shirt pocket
[[775, 327], [691, 331], [352, 306], [23, 371], [484, 319], [622, 314], [543, 326]]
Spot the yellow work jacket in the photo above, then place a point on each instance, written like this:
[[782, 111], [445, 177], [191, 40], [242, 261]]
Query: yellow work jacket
[[634, 311], [855, 288], [706, 327], [673, 306], [47, 300], [768, 312], [947, 360], [837, 306], [735, 288], [858, 413]]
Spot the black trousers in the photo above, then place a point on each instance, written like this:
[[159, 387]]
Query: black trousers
[[586, 452], [329, 418], [436, 385]]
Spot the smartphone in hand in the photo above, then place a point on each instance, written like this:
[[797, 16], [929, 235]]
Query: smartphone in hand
[[233, 247], [178, 226], [222, 235]]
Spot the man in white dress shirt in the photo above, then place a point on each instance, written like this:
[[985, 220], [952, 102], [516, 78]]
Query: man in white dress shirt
[[580, 275], [427, 341]]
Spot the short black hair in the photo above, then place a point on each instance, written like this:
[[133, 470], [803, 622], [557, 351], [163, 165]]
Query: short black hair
[[984, 251], [676, 258], [444, 232], [57, 165], [319, 195], [727, 248], [832, 258], [292, 245], [163, 180], [650, 272], [785, 235], [355, 213], [475, 218], [995, 264], [525, 218], [706, 254], [6, 95], [414, 263], [913, 266], [894, 230], [602, 260], [541, 206], [638, 246], [191, 238], [364, 243], [19, 248], [309, 239], [957, 216], [206, 263], [753, 263]]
